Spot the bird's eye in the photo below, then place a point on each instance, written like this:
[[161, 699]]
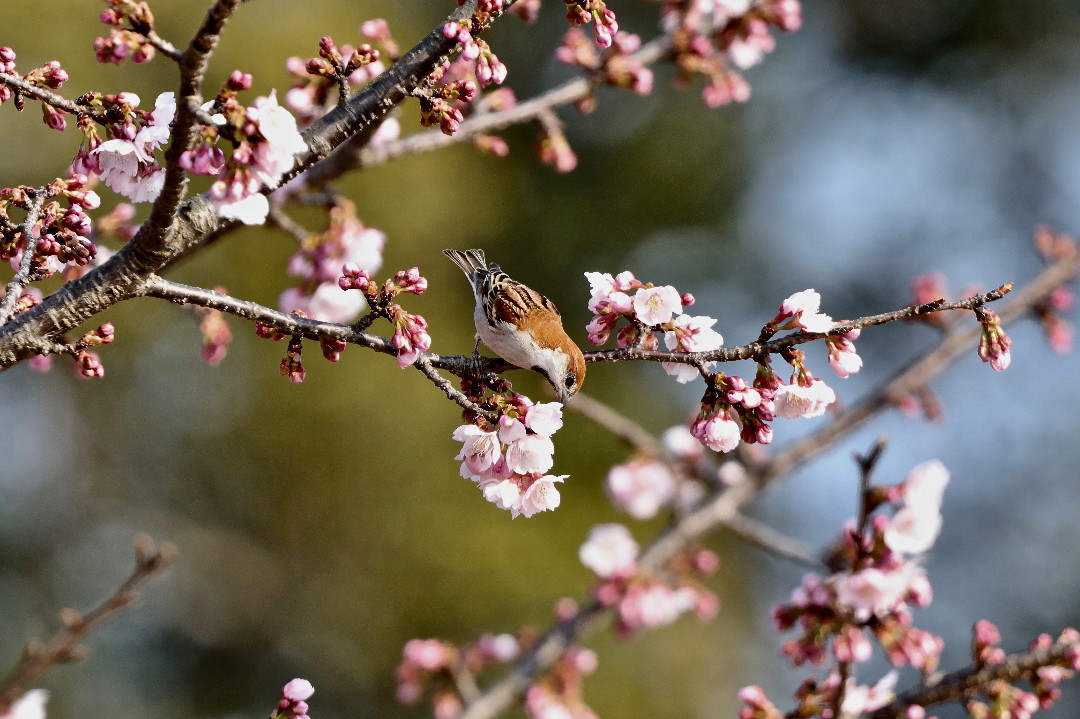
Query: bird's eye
[[571, 380]]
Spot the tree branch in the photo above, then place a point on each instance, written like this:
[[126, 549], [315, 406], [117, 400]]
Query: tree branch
[[37, 658], [963, 682], [22, 277], [723, 506], [177, 230]]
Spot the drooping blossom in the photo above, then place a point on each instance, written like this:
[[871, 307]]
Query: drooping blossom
[[509, 463], [795, 400], [128, 166], [480, 451], [719, 432]]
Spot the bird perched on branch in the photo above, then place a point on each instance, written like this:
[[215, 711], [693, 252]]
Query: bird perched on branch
[[521, 325]]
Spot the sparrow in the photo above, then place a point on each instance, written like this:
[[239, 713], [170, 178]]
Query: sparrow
[[521, 325]]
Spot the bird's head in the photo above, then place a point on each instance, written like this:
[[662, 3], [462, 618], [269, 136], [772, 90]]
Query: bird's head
[[563, 366]]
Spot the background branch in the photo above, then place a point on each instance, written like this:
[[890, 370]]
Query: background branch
[[38, 658]]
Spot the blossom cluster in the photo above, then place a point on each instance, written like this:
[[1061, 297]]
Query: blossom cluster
[[410, 331], [431, 664], [605, 25], [640, 599], [1053, 246], [319, 260], [266, 141], [215, 332], [437, 667], [648, 310], [509, 459], [732, 410], [126, 162], [713, 37], [559, 695], [876, 582]]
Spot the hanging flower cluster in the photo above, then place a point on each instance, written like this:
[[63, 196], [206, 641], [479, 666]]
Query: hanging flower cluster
[[509, 459]]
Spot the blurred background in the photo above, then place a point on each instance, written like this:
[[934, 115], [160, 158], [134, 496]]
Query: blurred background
[[321, 526]]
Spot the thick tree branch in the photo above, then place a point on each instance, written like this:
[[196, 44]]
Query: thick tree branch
[[176, 230]]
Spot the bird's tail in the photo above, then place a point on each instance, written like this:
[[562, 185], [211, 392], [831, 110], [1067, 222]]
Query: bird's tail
[[470, 261]]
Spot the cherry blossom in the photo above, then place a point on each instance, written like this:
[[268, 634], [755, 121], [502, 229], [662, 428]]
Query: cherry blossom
[[656, 305], [640, 487], [30, 705], [609, 551]]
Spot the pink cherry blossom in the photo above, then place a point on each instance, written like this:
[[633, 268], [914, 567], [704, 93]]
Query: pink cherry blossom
[[327, 303], [531, 454], [843, 357], [511, 430], [127, 165], [609, 551], [541, 496], [859, 699], [679, 442], [503, 493], [689, 333], [251, 209], [480, 452], [640, 487], [873, 591], [719, 432], [925, 485], [431, 655], [913, 531], [795, 400], [803, 307], [656, 305], [30, 705], [544, 419]]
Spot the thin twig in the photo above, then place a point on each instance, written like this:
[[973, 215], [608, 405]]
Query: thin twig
[[776, 543], [617, 424], [958, 684], [722, 506], [49, 98], [757, 533], [760, 349], [37, 658]]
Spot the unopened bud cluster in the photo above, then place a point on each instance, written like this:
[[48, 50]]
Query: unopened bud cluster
[[126, 42], [410, 330]]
